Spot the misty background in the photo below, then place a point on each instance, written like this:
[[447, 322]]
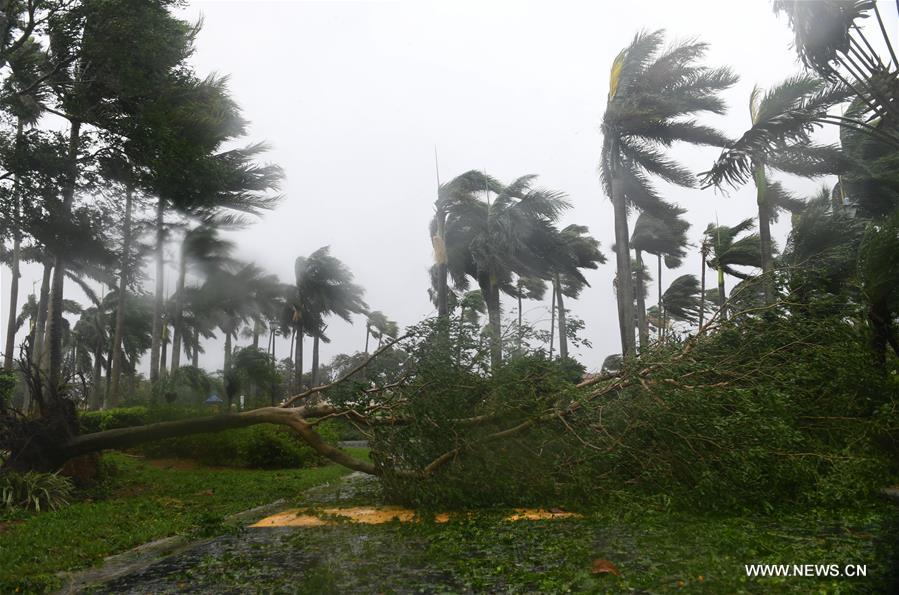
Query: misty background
[[354, 98]]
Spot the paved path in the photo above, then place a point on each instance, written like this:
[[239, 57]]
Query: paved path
[[344, 558]]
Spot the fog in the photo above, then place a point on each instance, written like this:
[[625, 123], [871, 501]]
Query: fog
[[354, 98]]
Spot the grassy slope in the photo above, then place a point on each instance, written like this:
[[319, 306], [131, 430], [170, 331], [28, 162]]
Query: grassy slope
[[139, 503]]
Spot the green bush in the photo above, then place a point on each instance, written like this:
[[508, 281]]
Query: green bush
[[34, 491], [764, 413]]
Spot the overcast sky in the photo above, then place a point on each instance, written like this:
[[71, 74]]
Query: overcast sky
[[354, 97]]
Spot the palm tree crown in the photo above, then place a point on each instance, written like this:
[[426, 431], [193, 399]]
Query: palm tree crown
[[653, 93]]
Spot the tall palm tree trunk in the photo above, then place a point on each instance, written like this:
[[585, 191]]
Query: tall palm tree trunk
[[552, 321], [439, 242], [94, 402], [367, 335], [761, 184], [623, 262], [112, 396], [226, 367], [702, 255], [14, 265], [54, 319], [298, 361], [461, 328], [40, 327], [196, 353], [659, 305], [493, 311], [520, 329], [158, 301], [314, 381], [641, 304], [163, 349], [179, 306], [721, 293], [563, 330]]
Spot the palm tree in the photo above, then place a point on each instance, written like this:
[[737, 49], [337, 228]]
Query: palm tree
[[461, 189], [377, 325], [793, 152], [324, 287], [24, 101], [204, 250], [576, 250], [651, 92], [681, 300], [491, 242], [663, 237], [728, 249], [236, 296]]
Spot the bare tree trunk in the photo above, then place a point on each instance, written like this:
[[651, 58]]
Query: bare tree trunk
[[367, 334], [623, 261], [298, 360], [314, 360], [112, 396], [520, 329], [54, 319], [563, 330], [8, 353], [721, 292], [128, 437], [196, 353], [552, 321], [461, 328], [493, 311], [179, 306], [40, 327], [158, 301], [702, 255], [439, 242], [226, 367], [641, 302], [163, 349], [95, 400], [761, 185]]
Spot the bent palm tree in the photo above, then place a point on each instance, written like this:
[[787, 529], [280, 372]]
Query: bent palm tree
[[666, 237], [728, 250], [324, 287], [651, 93], [377, 325], [577, 250], [461, 189], [782, 120], [491, 242]]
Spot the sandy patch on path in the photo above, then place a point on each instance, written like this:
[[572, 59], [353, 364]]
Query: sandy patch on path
[[376, 515]]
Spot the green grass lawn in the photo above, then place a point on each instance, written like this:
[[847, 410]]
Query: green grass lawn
[[136, 504]]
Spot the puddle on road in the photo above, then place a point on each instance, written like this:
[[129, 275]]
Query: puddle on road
[[376, 515]]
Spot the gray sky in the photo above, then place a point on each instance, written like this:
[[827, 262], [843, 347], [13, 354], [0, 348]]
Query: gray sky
[[354, 96]]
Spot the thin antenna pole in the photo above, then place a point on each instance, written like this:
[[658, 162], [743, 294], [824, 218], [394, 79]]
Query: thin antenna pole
[[437, 166]]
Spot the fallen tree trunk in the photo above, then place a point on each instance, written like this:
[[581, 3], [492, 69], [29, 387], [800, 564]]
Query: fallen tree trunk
[[293, 417]]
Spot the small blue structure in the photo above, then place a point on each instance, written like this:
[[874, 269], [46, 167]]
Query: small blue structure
[[213, 400]]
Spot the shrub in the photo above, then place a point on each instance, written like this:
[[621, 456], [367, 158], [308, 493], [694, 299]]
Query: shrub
[[766, 412], [34, 491]]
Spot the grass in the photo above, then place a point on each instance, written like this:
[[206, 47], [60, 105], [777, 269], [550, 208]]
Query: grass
[[136, 504], [656, 550]]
